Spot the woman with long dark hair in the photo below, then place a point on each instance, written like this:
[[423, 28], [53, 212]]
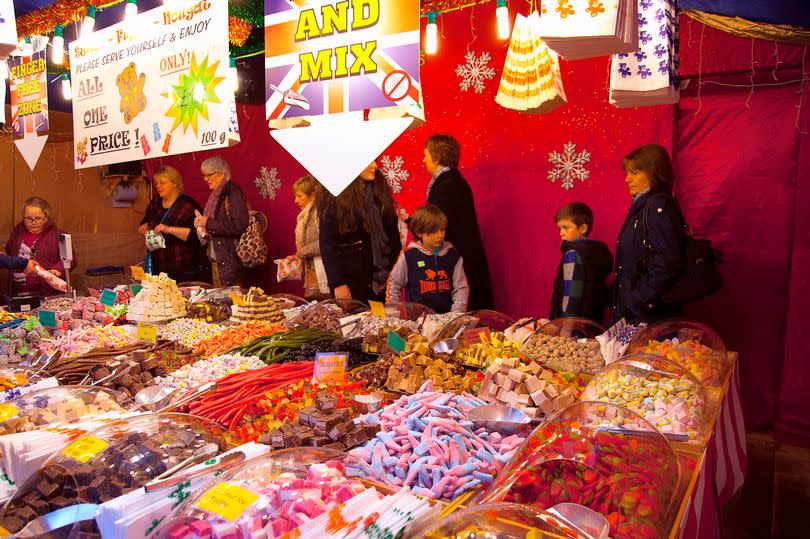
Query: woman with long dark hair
[[649, 249], [359, 238]]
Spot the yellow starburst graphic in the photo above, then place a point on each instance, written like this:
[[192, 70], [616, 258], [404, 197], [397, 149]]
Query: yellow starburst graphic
[[191, 96]]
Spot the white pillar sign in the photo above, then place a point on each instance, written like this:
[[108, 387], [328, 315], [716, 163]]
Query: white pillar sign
[[154, 85]]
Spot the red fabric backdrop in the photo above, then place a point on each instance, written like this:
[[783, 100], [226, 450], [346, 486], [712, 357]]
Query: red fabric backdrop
[[737, 177]]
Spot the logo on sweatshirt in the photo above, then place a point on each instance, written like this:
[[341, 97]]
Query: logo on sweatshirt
[[430, 284]]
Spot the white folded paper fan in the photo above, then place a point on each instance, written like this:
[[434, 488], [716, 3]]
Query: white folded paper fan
[[578, 29], [531, 79]]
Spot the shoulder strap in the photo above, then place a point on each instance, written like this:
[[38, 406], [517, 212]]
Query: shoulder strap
[[169, 209]]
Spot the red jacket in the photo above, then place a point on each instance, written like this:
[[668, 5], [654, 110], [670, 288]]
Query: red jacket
[[47, 254]]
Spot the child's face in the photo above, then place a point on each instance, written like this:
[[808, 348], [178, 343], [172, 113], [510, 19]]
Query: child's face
[[569, 231], [433, 240]]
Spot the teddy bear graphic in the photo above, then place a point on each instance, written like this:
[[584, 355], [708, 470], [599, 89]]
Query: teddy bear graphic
[[130, 86]]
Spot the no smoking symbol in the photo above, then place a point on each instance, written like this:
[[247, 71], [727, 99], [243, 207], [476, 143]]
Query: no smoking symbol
[[396, 85]]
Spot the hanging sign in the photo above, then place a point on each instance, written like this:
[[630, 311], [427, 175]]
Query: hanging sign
[[29, 104], [330, 56], [154, 85]]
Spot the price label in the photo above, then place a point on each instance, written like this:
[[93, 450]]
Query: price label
[[108, 297], [147, 333], [395, 342], [329, 367], [227, 500], [475, 335], [85, 448], [377, 308], [135, 289], [8, 411], [137, 273], [47, 318]]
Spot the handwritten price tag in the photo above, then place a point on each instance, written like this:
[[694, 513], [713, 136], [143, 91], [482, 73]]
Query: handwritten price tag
[[475, 335], [147, 332], [137, 273], [329, 367], [8, 411], [396, 342], [227, 500], [85, 448], [377, 308]]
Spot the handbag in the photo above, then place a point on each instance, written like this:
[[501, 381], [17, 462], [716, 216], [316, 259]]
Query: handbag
[[289, 269], [155, 242], [251, 248], [700, 276]]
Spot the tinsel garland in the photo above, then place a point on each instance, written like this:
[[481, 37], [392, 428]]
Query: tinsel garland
[[43, 21], [441, 6]]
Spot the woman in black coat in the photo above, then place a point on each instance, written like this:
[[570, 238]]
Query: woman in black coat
[[359, 238], [649, 250], [450, 192]]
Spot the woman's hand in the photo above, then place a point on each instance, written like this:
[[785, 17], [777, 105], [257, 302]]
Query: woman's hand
[[199, 220], [55, 272], [143, 229], [163, 228], [31, 267], [343, 292]]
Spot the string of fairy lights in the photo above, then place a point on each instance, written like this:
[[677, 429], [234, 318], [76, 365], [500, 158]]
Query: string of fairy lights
[[241, 22]]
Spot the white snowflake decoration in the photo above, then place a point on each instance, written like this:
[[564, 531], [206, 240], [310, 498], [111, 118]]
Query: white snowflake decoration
[[394, 173], [569, 165], [268, 183], [475, 72]]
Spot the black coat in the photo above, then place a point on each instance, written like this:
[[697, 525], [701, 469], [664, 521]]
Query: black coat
[[597, 263], [453, 195], [643, 275], [224, 229], [347, 258]]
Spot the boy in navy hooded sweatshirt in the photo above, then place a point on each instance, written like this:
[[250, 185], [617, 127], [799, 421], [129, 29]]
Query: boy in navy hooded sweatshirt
[[581, 285], [430, 270]]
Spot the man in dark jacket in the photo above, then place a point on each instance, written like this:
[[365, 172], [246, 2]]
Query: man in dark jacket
[[452, 194]]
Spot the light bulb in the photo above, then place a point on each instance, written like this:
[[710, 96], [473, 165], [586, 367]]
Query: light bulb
[[502, 15], [199, 92], [131, 9], [431, 34], [89, 21], [66, 91], [233, 75], [57, 46]]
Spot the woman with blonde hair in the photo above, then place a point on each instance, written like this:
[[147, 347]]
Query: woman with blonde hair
[[36, 237], [171, 215], [307, 243]]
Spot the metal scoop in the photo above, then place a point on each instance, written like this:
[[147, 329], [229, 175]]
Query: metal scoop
[[226, 463], [586, 522], [153, 397], [499, 418], [291, 98], [371, 402], [54, 520], [204, 389], [448, 346]]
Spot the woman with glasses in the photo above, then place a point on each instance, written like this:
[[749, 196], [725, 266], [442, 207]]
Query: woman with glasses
[[223, 222], [36, 238], [171, 214]]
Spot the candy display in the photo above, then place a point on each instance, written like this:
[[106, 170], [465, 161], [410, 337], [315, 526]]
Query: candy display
[[209, 311], [480, 321], [158, 300], [73, 369], [237, 393], [374, 374], [79, 342], [11, 377], [283, 494], [54, 406], [58, 304], [273, 348], [427, 443], [208, 370], [409, 371], [109, 462], [357, 356], [692, 345], [584, 456], [330, 315], [83, 313], [189, 331], [435, 323], [128, 374], [482, 349], [22, 343], [258, 306], [658, 390], [236, 336], [563, 353], [529, 387], [524, 328]]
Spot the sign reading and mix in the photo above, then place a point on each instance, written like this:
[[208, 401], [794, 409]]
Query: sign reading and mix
[[155, 85], [327, 56]]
